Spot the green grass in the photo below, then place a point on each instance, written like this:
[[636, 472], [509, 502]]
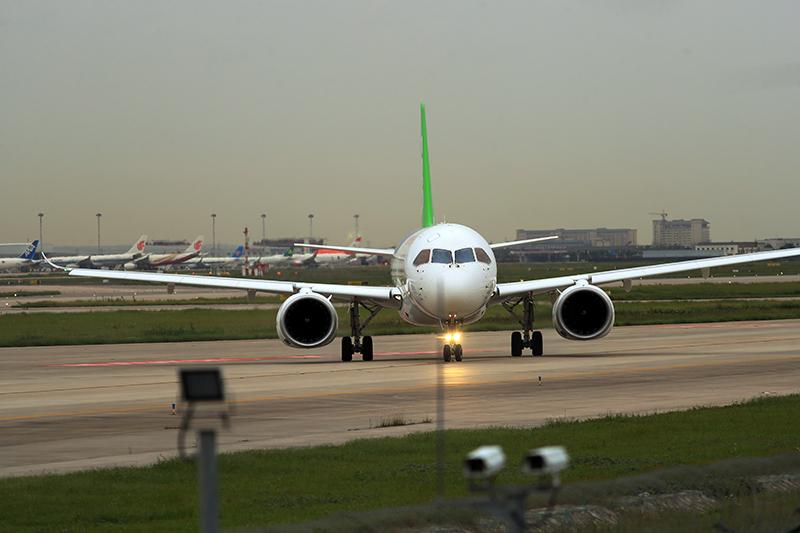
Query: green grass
[[121, 301], [291, 485], [41, 329], [709, 291]]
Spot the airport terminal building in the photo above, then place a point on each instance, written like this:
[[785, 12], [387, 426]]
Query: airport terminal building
[[574, 244]]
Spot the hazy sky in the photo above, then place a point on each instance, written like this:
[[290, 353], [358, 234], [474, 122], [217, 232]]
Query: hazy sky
[[540, 114]]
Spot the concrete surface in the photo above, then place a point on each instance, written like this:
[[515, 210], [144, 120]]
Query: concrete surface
[[69, 408]]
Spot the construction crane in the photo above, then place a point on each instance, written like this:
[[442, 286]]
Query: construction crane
[[663, 214]]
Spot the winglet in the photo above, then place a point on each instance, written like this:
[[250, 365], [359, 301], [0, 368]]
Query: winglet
[[55, 266], [427, 196]]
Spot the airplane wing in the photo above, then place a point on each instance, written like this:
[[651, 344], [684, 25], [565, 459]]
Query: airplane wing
[[524, 241], [508, 290], [377, 294], [351, 249]]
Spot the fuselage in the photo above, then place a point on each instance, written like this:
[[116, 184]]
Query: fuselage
[[447, 274], [9, 263]]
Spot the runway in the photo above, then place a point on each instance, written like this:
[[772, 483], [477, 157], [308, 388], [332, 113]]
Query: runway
[[70, 408]]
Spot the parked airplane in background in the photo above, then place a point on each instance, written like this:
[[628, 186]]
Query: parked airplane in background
[[216, 262], [443, 275], [155, 261], [26, 259], [328, 257], [103, 260], [287, 258]]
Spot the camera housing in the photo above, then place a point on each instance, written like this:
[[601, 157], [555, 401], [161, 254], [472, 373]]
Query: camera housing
[[484, 462], [201, 385], [549, 460]]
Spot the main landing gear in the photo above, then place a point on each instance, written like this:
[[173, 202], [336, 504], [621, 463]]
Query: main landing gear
[[527, 338], [452, 348], [355, 343]]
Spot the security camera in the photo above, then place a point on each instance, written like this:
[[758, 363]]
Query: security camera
[[484, 462], [545, 461]]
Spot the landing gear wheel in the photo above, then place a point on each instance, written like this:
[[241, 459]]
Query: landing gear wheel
[[347, 349], [516, 344], [459, 352], [446, 354], [537, 345], [366, 348]]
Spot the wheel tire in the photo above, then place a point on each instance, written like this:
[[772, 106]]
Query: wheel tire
[[446, 354], [366, 348], [516, 344], [537, 345], [459, 353], [347, 349]]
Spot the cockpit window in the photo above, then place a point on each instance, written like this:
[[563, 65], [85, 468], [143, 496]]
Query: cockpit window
[[423, 257], [465, 255], [483, 257], [442, 256]]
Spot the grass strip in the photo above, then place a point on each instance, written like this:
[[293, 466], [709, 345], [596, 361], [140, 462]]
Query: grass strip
[[44, 329], [291, 485], [708, 291], [122, 301]]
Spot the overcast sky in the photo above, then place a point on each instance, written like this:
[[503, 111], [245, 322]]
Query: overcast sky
[[540, 115]]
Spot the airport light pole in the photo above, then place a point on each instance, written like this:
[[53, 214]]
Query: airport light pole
[[98, 215], [263, 229], [214, 234], [41, 239], [356, 219], [310, 227]]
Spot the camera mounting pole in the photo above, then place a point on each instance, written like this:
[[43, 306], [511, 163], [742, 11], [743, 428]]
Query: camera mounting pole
[[204, 386]]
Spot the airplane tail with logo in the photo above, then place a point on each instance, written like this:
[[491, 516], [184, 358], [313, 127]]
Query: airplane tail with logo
[[138, 246], [238, 252], [196, 245], [30, 251], [427, 196]]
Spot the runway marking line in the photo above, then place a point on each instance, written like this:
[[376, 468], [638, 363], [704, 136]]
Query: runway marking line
[[217, 360], [185, 361]]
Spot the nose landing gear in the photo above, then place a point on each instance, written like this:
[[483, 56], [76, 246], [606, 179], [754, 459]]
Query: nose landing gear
[[452, 348], [355, 343], [527, 338]]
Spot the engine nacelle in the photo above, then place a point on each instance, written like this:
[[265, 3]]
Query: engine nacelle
[[307, 320], [583, 312]]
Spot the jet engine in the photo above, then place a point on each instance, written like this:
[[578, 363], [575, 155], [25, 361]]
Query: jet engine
[[582, 313], [307, 320]]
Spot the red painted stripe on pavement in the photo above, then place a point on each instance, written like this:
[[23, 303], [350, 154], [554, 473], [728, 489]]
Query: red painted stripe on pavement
[[187, 361]]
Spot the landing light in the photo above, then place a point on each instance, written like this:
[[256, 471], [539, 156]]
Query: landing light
[[454, 337]]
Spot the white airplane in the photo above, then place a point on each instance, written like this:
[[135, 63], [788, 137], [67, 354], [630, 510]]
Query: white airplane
[[155, 261], [330, 257], [443, 275], [26, 259], [103, 260], [206, 261], [287, 258]]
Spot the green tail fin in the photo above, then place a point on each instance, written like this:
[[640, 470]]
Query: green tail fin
[[427, 196]]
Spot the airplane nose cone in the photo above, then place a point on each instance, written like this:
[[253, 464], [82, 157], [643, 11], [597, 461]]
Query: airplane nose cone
[[458, 291]]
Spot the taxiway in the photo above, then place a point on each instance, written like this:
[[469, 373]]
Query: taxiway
[[76, 407]]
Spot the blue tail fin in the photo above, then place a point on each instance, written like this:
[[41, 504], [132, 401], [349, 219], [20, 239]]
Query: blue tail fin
[[239, 251], [30, 251]]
